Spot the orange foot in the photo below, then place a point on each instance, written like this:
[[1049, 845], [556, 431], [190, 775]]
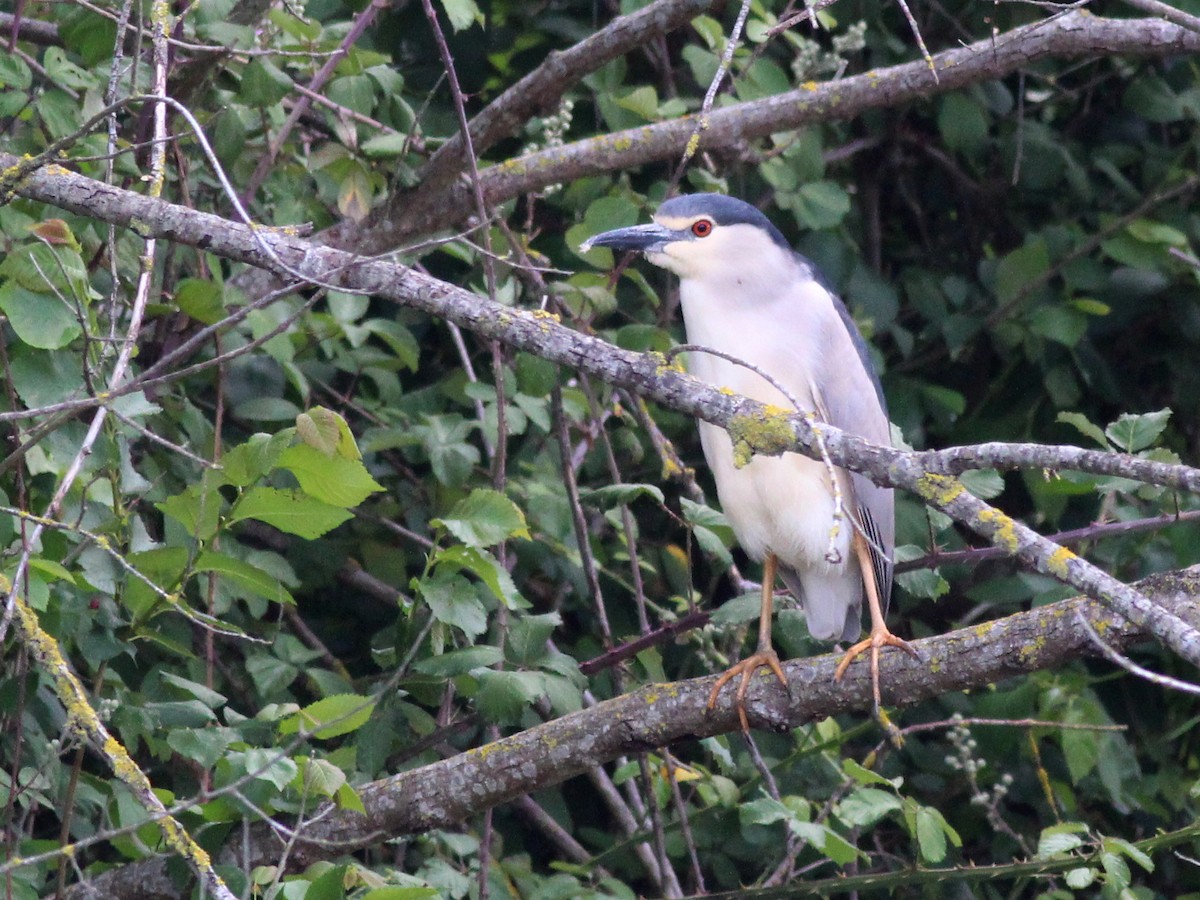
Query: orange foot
[[757, 660], [878, 639]]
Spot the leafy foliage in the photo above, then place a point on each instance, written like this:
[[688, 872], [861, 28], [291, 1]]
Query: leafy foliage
[[342, 539]]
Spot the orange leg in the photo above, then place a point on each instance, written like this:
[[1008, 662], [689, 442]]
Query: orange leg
[[880, 637], [764, 656]]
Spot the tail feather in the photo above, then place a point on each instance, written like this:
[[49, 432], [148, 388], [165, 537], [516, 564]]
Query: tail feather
[[832, 603]]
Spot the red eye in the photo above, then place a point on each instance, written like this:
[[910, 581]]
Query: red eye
[[702, 228]]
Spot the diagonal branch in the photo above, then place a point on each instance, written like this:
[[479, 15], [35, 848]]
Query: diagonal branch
[[540, 90], [754, 428], [1075, 34], [445, 793]]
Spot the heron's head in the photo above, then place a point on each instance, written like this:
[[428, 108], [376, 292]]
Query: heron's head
[[705, 237]]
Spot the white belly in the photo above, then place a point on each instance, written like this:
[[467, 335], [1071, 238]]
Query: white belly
[[779, 504]]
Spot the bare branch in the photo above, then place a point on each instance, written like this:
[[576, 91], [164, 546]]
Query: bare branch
[[1074, 34], [753, 427], [447, 792]]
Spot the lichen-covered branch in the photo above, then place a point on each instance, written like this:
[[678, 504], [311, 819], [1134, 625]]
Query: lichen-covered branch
[[1071, 35], [445, 793], [753, 427], [88, 725], [539, 91]]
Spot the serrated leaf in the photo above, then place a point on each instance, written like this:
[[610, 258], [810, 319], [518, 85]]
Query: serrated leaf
[[1132, 432], [621, 494], [505, 695], [737, 610], [488, 569], [251, 460], [319, 777], [931, 839], [328, 432], [484, 518], [293, 512], [462, 13], [1060, 839], [338, 481], [243, 575], [983, 483], [868, 805], [458, 662], [330, 717], [453, 601], [197, 509], [1084, 426], [1078, 879]]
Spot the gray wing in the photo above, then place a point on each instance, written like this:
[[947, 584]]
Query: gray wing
[[853, 401]]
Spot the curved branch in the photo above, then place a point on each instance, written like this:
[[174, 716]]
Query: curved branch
[[445, 793], [1073, 34], [754, 428], [540, 90]]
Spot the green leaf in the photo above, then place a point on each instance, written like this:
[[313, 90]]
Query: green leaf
[[527, 636], [1084, 426], [983, 483], [611, 495], [1020, 269], [1124, 847], [338, 481], [14, 73], [459, 662], [738, 610], [868, 805], [319, 777], [863, 775], [1150, 232], [504, 696], [1061, 839], [452, 600], [251, 460], [201, 299], [931, 839], [41, 320], [401, 893], [264, 84], [292, 512], [1061, 324], [486, 517], [1132, 433], [963, 124], [243, 575], [820, 204], [462, 13], [331, 717], [64, 73], [198, 509], [487, 568], [1078, 879]]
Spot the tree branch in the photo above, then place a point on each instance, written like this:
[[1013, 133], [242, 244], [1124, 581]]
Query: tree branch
[[1073, 34], [445, 793], [753, 428]]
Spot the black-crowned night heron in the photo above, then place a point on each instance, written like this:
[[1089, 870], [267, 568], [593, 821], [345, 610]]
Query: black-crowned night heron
[[748, 295]]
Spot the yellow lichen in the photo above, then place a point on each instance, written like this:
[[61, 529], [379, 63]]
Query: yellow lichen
[[810, 86], [940, 490], [1059, 562], [769, 433], [1003, 528]]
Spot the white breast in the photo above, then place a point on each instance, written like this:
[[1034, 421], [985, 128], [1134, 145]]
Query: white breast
[[778, 504]]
